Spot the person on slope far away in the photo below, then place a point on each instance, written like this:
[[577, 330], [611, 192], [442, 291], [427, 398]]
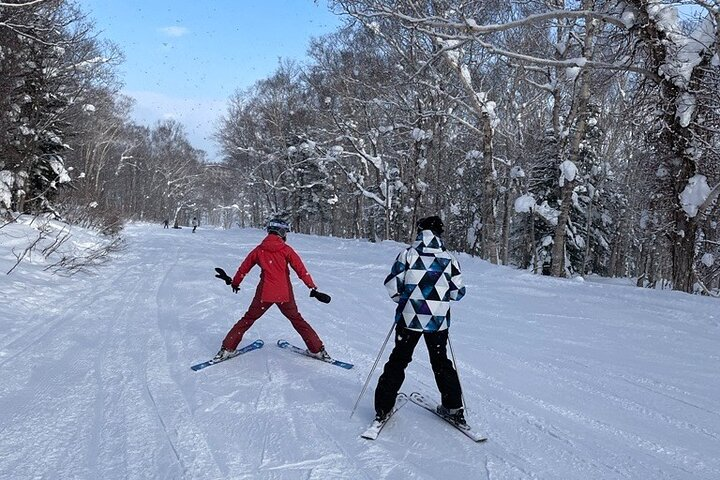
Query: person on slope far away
[[273, 255], [423, 280]]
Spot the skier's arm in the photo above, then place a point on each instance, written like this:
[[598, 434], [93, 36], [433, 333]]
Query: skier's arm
[[395, 281], [297, 265], [457, 287], [244, 268]]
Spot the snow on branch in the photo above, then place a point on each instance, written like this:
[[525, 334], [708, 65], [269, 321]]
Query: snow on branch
[[570, 63], [26, 4], [684, 52], [568, 171], [455, 34], [695, 195], [470, 25]]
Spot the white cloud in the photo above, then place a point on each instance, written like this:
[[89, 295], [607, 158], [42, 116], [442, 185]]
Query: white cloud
[[198, 115], [174, 31]]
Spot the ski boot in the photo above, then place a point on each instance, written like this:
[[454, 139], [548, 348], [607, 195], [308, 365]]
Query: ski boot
[[321, 354], [223, 354], [454, 414]]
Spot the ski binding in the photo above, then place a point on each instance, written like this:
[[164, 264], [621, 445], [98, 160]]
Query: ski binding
[[376, 426], [287, 345], [248, 348], [421, 400]]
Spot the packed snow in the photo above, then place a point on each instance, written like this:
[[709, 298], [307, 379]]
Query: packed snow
[[569, 380]]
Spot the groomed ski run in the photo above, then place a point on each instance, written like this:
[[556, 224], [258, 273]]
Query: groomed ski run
[[568, 379]]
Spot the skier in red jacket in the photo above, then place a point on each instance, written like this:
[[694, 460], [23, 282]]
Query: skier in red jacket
[[273, 255]]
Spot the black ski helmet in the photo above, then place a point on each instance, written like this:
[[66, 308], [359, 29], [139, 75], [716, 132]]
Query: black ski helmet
[[433, 223], [278, 226]]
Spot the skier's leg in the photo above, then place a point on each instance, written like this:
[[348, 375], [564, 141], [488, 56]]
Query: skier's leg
[[255, 311], [393, 374], [308, 334], [446, 376]]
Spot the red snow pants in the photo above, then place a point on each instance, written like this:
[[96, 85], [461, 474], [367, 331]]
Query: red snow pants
[[258, 308]]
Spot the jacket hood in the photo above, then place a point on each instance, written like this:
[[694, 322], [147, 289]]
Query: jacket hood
[[272, 243], [426, 241]]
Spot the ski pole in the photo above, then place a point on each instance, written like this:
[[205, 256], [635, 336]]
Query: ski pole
[[382, 349], [452, 353]]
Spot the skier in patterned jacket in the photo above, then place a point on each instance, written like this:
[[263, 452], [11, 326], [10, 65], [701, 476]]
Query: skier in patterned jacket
[[424, 279]]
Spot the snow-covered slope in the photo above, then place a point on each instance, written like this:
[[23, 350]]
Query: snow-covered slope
[[570, 380]]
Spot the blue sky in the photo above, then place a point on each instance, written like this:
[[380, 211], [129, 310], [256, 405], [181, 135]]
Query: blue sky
[[185, 58]]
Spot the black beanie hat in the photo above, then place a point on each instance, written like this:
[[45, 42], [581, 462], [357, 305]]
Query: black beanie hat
[[433, 223]]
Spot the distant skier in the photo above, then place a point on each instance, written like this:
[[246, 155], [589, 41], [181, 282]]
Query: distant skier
[[423, 280], [194, 224], [273, 256], [166, 223]]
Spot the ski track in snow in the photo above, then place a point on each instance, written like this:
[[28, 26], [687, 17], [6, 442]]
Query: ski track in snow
[[568, 380]]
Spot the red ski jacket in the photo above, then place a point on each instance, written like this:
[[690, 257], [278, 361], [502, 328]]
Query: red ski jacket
[[274, 255]]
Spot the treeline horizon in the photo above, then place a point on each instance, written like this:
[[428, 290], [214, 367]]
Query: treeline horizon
[[566, 139]]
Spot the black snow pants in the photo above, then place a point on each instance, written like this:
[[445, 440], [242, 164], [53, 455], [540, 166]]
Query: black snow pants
[[393, 375]]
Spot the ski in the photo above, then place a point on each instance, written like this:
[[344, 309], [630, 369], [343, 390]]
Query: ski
[[285, 344], [248, 348], [419, 399], [373, 430]]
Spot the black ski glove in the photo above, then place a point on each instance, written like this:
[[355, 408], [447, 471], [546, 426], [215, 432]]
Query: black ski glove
[[223, 276], [322, 297]]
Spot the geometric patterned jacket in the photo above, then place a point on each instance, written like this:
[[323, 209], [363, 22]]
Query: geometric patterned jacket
[[422, 281]]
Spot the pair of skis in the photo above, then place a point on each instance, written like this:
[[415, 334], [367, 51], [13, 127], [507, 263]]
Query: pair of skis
[[280, 343], [374, 429], [376, 426]]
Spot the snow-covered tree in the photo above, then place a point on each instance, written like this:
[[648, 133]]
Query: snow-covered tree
[[682, 129], [48, 60]]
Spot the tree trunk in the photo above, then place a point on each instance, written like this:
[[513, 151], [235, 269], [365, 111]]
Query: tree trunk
[[683, 252], [489, 245], [487, 207], [588, 235], [576, 116], [557, 265], [507, 217]]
